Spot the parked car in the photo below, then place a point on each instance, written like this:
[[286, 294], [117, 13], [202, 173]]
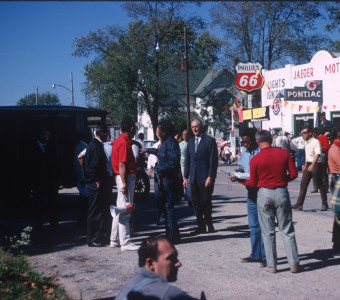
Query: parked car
[[149, 144]]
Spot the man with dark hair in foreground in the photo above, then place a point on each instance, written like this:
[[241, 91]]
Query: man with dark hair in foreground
[[157, 266]]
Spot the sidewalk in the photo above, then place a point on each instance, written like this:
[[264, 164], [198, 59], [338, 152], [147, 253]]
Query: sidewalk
[[211, 262]]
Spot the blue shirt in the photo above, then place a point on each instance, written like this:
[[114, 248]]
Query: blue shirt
[[244, 163], [246, 156]]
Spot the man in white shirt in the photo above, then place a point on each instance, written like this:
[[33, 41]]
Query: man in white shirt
[[311, 169]]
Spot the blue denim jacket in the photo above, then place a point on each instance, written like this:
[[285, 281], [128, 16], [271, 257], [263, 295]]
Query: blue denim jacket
[[168, 155]]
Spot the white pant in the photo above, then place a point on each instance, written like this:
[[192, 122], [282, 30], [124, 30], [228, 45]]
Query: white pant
[[120, 231]]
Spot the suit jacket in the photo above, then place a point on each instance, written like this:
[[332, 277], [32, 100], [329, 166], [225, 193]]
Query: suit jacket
[[204, 162], [43, 166], [95, 162]]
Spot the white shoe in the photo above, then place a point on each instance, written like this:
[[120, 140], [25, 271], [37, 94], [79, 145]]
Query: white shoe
[[114, 244], [129, 247]]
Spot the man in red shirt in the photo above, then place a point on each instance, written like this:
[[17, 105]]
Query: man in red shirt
[[273, 199], [124, 166]]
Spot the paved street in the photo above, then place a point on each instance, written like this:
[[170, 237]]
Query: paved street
[[211, 262]]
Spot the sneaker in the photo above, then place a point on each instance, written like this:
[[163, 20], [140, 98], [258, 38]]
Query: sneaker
[[129, 247], [114, 244]]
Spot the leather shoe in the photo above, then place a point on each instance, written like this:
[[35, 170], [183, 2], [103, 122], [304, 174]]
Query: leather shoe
[[296, 269], [250, 260], [324, 207], [211, 229], [296, 206], [198, 231], [271, 269], [93, 244], [264, 263], [314, 191]]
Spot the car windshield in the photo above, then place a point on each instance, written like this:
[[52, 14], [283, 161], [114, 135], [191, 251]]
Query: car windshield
[[149, 144]]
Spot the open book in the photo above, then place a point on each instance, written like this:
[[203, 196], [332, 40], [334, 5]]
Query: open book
[[239, 175]]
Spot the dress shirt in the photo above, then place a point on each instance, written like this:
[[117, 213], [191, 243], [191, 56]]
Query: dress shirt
[[152, 159], [183, 147], [312, 148]]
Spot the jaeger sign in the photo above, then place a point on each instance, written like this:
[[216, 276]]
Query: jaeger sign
[[248, 76], [312, 91]]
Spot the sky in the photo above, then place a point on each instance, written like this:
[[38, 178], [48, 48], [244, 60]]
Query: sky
[[36, 45]]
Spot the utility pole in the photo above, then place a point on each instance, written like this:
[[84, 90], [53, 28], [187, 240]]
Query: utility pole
[[72, 95], [36, 97], [187, 79]]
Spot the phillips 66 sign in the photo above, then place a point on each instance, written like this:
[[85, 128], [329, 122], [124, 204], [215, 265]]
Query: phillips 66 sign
[[248, 76]]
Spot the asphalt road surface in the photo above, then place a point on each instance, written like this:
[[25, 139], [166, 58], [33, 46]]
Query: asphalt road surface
[[211, 262]]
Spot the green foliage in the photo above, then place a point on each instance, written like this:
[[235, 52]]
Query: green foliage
[[16, 243], [19, 281], [333, 10], [43, 99], [273, 33], [128, 74]]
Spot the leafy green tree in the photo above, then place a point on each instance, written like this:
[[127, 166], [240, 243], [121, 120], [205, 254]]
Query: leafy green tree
[[43, 99], [333, 9], [128, 74], [273, 33]]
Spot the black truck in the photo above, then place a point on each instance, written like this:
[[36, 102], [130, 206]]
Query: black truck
[[19, 125]]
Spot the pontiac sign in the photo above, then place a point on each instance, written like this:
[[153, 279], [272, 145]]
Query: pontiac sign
[[312, 91]]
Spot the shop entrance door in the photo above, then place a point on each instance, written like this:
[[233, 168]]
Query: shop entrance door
[[301, 121]]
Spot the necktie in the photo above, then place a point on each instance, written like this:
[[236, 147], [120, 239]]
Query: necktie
[[196, 143]]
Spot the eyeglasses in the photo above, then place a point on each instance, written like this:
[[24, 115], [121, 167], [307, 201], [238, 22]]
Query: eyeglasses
[[304, 132], [246, 142]]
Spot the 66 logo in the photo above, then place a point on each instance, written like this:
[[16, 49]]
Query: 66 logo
[[248, 76]]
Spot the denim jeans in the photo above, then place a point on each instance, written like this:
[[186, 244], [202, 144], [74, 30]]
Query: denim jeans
[[257, 247], [273, 203], [300, 158], [168, 186]]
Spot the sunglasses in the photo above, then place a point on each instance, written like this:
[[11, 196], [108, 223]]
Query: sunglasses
[[304, 132]]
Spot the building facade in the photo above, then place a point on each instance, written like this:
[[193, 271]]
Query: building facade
[[298, 94]]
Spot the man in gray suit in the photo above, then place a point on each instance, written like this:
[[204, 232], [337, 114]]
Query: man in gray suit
[[200, 170]]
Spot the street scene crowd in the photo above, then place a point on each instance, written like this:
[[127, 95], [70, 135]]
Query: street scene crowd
[[187, 169]]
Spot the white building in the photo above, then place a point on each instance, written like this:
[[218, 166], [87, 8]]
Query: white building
[[297, 94]]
